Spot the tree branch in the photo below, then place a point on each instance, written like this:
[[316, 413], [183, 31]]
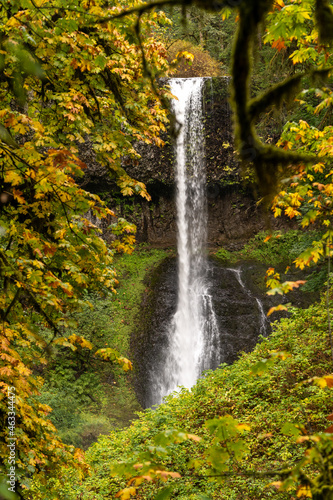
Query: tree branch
[[5, 314]]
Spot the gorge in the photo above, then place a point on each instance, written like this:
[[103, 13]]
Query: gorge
[[213, 208]]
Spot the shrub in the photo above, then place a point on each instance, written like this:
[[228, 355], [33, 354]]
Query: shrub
[[202, 65]]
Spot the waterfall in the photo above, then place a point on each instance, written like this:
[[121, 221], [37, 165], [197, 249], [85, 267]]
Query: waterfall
[[192, 335], [262, 315]]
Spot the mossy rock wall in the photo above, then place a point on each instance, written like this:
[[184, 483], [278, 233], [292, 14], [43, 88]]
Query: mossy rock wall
[[156, 165], [233, 214]]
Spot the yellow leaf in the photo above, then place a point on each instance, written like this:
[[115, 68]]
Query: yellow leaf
[[126, 493], [194, 437], [125, 363], [280, 307], [243, 427], [320, 381], [164, 475], [276, 484], [302, 439], [304, 491], [13, 178], [329, 380], [291, 212]]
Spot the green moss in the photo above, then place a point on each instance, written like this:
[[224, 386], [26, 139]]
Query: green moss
[[90, 397], [272, 248], [224, 255]]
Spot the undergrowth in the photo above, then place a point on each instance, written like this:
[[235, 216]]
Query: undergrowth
[[90, 397], [279, 248], [269, 402]]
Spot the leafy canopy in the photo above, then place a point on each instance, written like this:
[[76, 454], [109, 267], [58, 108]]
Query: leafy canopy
[[71, 79]]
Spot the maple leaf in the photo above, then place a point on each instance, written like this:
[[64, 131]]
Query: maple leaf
[[279, 44]]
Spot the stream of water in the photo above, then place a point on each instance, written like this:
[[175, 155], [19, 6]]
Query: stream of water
[[262, 316]]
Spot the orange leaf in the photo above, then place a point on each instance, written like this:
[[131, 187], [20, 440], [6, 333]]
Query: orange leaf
[[194, 437], [18, 195], [49, 249], [279, 4], [304, 491], [280, 307], [329, 380], [279, 44]]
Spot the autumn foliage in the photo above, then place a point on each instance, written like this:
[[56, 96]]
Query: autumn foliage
[[191, 60], [81, 71], [69, 74]]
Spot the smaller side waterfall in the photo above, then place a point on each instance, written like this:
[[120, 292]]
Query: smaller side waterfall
[[263, 319]]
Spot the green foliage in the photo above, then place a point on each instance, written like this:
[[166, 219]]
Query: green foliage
[[315, 281], [101, 394], [272, 248], [269, 162], [224, 255], [202, 28], [279, 248], [258, 424]]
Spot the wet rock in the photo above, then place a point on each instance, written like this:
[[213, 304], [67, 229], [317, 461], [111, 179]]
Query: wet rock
[[233, 213], [236, 308]]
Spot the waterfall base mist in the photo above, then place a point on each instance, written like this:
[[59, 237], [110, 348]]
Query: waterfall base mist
[[236, 310]]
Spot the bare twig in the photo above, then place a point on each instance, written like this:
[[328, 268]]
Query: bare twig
[[328, 298], [5, 313]]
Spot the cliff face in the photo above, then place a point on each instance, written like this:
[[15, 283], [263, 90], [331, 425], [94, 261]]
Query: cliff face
[[156, 164], [233, 218], [233, 215]]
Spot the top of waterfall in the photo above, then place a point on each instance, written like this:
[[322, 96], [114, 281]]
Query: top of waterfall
[[227, 77], [191, 78]]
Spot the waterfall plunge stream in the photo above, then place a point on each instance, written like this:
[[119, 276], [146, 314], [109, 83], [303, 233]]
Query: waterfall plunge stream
[[193, 336]]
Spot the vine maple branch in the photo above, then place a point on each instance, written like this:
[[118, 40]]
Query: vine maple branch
[[4, 314]]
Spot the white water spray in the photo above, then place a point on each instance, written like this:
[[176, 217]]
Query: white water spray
[[193, 336]]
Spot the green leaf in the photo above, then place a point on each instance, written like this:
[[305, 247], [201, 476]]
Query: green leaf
[[261, 366], [101, 62], [6, 137], [165, 493], [290, 429]]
